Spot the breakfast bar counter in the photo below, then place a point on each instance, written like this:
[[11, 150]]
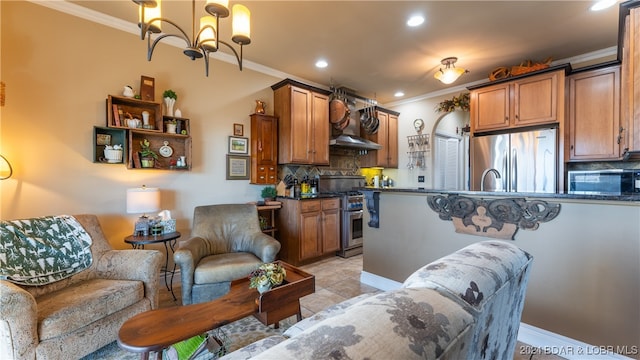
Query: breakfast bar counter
[[585, 280]]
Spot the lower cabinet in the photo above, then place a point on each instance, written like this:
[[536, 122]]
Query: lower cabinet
[[309, 229]]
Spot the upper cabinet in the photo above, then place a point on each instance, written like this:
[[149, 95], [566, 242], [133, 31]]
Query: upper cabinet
[[524, 101], [595, 132], [630, 74], [264, 149], [303, 113], [387, 136]]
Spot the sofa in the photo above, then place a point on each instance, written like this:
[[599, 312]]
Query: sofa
[[226, 243], [69, 312], [466, 305]]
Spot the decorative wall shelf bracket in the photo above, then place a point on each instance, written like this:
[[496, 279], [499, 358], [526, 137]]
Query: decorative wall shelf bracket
[[495, 218], [373, 206]]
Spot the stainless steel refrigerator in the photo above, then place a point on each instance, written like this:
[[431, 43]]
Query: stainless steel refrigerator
[[515, 162]]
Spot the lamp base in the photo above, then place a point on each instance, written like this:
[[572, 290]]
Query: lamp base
[[141, 227]]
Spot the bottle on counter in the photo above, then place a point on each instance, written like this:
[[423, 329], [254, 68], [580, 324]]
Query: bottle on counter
[[296, 188]]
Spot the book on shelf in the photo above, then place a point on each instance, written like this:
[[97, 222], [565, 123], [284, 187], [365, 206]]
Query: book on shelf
[[116, 115]]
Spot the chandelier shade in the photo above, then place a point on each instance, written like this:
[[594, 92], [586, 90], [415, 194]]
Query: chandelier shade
[[202, 42], [450, 73]]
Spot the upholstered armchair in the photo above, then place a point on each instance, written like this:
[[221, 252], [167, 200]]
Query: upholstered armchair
[[226, 243]]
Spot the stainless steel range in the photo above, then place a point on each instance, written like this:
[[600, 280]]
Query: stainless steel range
[[351, 209]]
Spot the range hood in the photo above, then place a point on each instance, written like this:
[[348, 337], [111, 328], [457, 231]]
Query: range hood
[[352, 141], [350, 137]]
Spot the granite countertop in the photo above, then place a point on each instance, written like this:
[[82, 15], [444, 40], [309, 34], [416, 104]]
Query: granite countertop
[[310, 196], [564, 196]]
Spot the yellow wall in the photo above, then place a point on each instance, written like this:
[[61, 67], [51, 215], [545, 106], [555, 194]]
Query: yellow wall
[[59, 69]]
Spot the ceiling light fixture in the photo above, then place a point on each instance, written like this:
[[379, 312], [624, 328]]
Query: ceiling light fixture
[[204, 41], [321, 64], [603, 4], [415, 20], [450, 73], [398, 94]]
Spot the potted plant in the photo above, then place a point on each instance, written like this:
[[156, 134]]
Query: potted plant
[[147, 156], [171, 126], [267, 276], [269, 193], [170, 98]]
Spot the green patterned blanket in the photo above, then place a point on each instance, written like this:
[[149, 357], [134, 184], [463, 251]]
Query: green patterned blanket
[[43, 250]]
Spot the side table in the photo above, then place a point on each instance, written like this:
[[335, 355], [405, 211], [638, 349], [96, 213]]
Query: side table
[[169, 241]]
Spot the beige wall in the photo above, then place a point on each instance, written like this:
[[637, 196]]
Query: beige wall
[[584, 279], [59, 69]]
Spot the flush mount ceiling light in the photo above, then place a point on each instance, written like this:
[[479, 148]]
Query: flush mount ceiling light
[[603, 4], [204, 41], [450, 73]]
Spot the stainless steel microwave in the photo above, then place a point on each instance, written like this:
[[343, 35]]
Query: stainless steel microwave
[[604, 182]]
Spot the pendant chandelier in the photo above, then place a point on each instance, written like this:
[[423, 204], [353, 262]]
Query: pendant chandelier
[[450, 73], [203, 41]]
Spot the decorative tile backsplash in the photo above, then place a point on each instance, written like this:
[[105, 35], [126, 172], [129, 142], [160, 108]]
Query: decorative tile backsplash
[[342, 161]]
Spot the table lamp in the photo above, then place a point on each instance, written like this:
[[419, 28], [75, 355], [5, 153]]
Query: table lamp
[[142, 201]]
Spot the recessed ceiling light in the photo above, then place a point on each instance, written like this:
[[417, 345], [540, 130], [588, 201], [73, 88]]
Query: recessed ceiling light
[[415, 20], [603, 4], [398, 94], [321, 64]]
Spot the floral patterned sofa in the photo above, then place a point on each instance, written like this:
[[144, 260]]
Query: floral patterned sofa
[[466, 305], [46, 317]]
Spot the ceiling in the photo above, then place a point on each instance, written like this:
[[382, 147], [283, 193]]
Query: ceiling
[[370, 49]]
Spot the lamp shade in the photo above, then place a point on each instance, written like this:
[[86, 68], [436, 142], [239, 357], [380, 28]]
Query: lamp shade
[[143, 200], [449, 75], [241, 25]]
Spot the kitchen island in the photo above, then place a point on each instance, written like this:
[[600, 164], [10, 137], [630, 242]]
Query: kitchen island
[[585, 279]]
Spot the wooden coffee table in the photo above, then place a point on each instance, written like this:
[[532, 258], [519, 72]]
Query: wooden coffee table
[[158, 329]]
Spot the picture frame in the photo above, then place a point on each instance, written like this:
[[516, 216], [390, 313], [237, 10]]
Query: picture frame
[[238, 130], [103, 139], [147, 88], [237, 167], [238, 145]]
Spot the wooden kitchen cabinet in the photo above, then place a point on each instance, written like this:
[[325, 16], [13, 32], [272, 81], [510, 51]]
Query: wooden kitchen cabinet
[[309, 229], [595, 132], [526, 101], [264, 149], [303, 112], [387, 136], [630, 78]]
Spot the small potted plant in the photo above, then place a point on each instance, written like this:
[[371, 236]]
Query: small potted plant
[[170, 98], [266, 276], [269, 193], [171, 126], [147, 156]]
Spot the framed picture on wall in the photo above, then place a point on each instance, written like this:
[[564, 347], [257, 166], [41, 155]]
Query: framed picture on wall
[[238, 129], [238, 145], [237, 167]]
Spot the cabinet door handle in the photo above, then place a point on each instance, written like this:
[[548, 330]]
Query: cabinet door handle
[[620, 135], [506, 118], [259, 145]]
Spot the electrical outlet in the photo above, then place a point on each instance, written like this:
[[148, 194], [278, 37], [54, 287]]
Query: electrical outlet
[[420, 178]]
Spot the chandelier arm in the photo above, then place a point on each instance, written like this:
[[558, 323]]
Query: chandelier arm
[[238, 57], [152, 46], [184, 36], [206, 61], [197, 37]]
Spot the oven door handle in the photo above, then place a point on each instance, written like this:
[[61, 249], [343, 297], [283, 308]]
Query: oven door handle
[[356, 214]]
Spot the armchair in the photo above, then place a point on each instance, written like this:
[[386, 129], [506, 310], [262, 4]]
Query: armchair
[[226, 243], [75, 316]]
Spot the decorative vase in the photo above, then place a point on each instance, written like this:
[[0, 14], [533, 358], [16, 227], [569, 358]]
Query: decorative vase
[[169, 103], [147, 162], [171, 128], [263, 287], [260, 107]]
